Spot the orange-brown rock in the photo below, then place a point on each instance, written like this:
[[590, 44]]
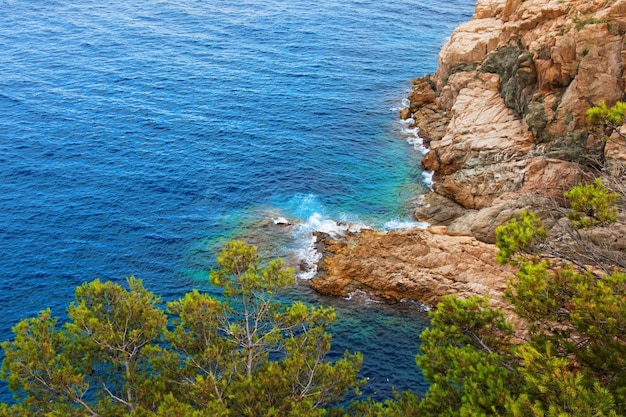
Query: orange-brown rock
[[405, 113], [431, 123], [417, 264], [421, 94], [514, 84]]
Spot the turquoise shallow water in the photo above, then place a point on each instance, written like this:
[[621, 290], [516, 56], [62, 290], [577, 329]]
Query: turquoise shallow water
[[136, 137]]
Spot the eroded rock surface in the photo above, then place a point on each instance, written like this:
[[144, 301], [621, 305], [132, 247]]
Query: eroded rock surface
[[512, 90], [415, 264]]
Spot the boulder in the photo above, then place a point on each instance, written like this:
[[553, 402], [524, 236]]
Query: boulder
[[405, 113], [437, 209], [421, 94]]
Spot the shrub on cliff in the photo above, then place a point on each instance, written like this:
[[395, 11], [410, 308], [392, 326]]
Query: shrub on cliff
[[518, 236], [592, 205], [607, 119], [120, 354], [475, 369]]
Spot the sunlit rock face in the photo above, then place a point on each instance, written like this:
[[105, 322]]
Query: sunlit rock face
[[416, 264], [511, 94]]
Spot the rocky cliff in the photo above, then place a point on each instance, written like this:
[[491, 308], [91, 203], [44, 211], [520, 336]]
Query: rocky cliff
[[505, 112], [504, 116]]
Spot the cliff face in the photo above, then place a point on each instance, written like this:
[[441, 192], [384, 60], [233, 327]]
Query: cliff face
[[505, 111], [505, 118]]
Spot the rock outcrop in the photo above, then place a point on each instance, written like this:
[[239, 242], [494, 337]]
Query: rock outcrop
[[511, 94], [416, 264], [504, 116]]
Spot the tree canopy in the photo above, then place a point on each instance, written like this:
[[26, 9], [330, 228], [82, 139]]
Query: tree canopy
[[122, 353], [564, 357], [567, 359]]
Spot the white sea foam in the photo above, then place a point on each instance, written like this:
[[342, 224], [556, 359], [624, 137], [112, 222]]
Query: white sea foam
[[418, 304], [404, 225], [361, 296], [307, 252], [428, 179], [318, 223], [411, 134], [405, 103], [309, 257]]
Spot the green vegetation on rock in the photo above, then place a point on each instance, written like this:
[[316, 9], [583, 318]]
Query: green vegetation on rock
[[515, 237], [607, 120], [592, 205], [568, 358]]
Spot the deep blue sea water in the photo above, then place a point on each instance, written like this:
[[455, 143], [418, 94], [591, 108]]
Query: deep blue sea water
[[138, 136]]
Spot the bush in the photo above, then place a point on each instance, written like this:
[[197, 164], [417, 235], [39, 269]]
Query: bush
[[518, 236], [592, 205]]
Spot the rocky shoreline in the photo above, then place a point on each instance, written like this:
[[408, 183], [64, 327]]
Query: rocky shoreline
[[504, 119], [413, 264]]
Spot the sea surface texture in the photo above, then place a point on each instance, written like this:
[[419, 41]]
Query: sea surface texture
[[136, 137]]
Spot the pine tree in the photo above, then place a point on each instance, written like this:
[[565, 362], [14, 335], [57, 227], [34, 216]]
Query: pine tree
[[121, 354]]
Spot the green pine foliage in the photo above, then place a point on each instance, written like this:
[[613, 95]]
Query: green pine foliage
[[571, 357], [578, 326], [518, 236], [601, 114], [466, 356], [592, 205], [122, 354], [553, 388], [572, 361], [606, 122]]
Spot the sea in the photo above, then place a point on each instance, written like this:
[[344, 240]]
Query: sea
[[138, 136]]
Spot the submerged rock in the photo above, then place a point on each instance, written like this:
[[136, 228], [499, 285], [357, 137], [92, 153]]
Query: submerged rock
[[281, 221]]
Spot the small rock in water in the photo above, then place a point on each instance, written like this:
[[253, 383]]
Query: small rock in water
[[304, 266], [405, 113], [281, 221]]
